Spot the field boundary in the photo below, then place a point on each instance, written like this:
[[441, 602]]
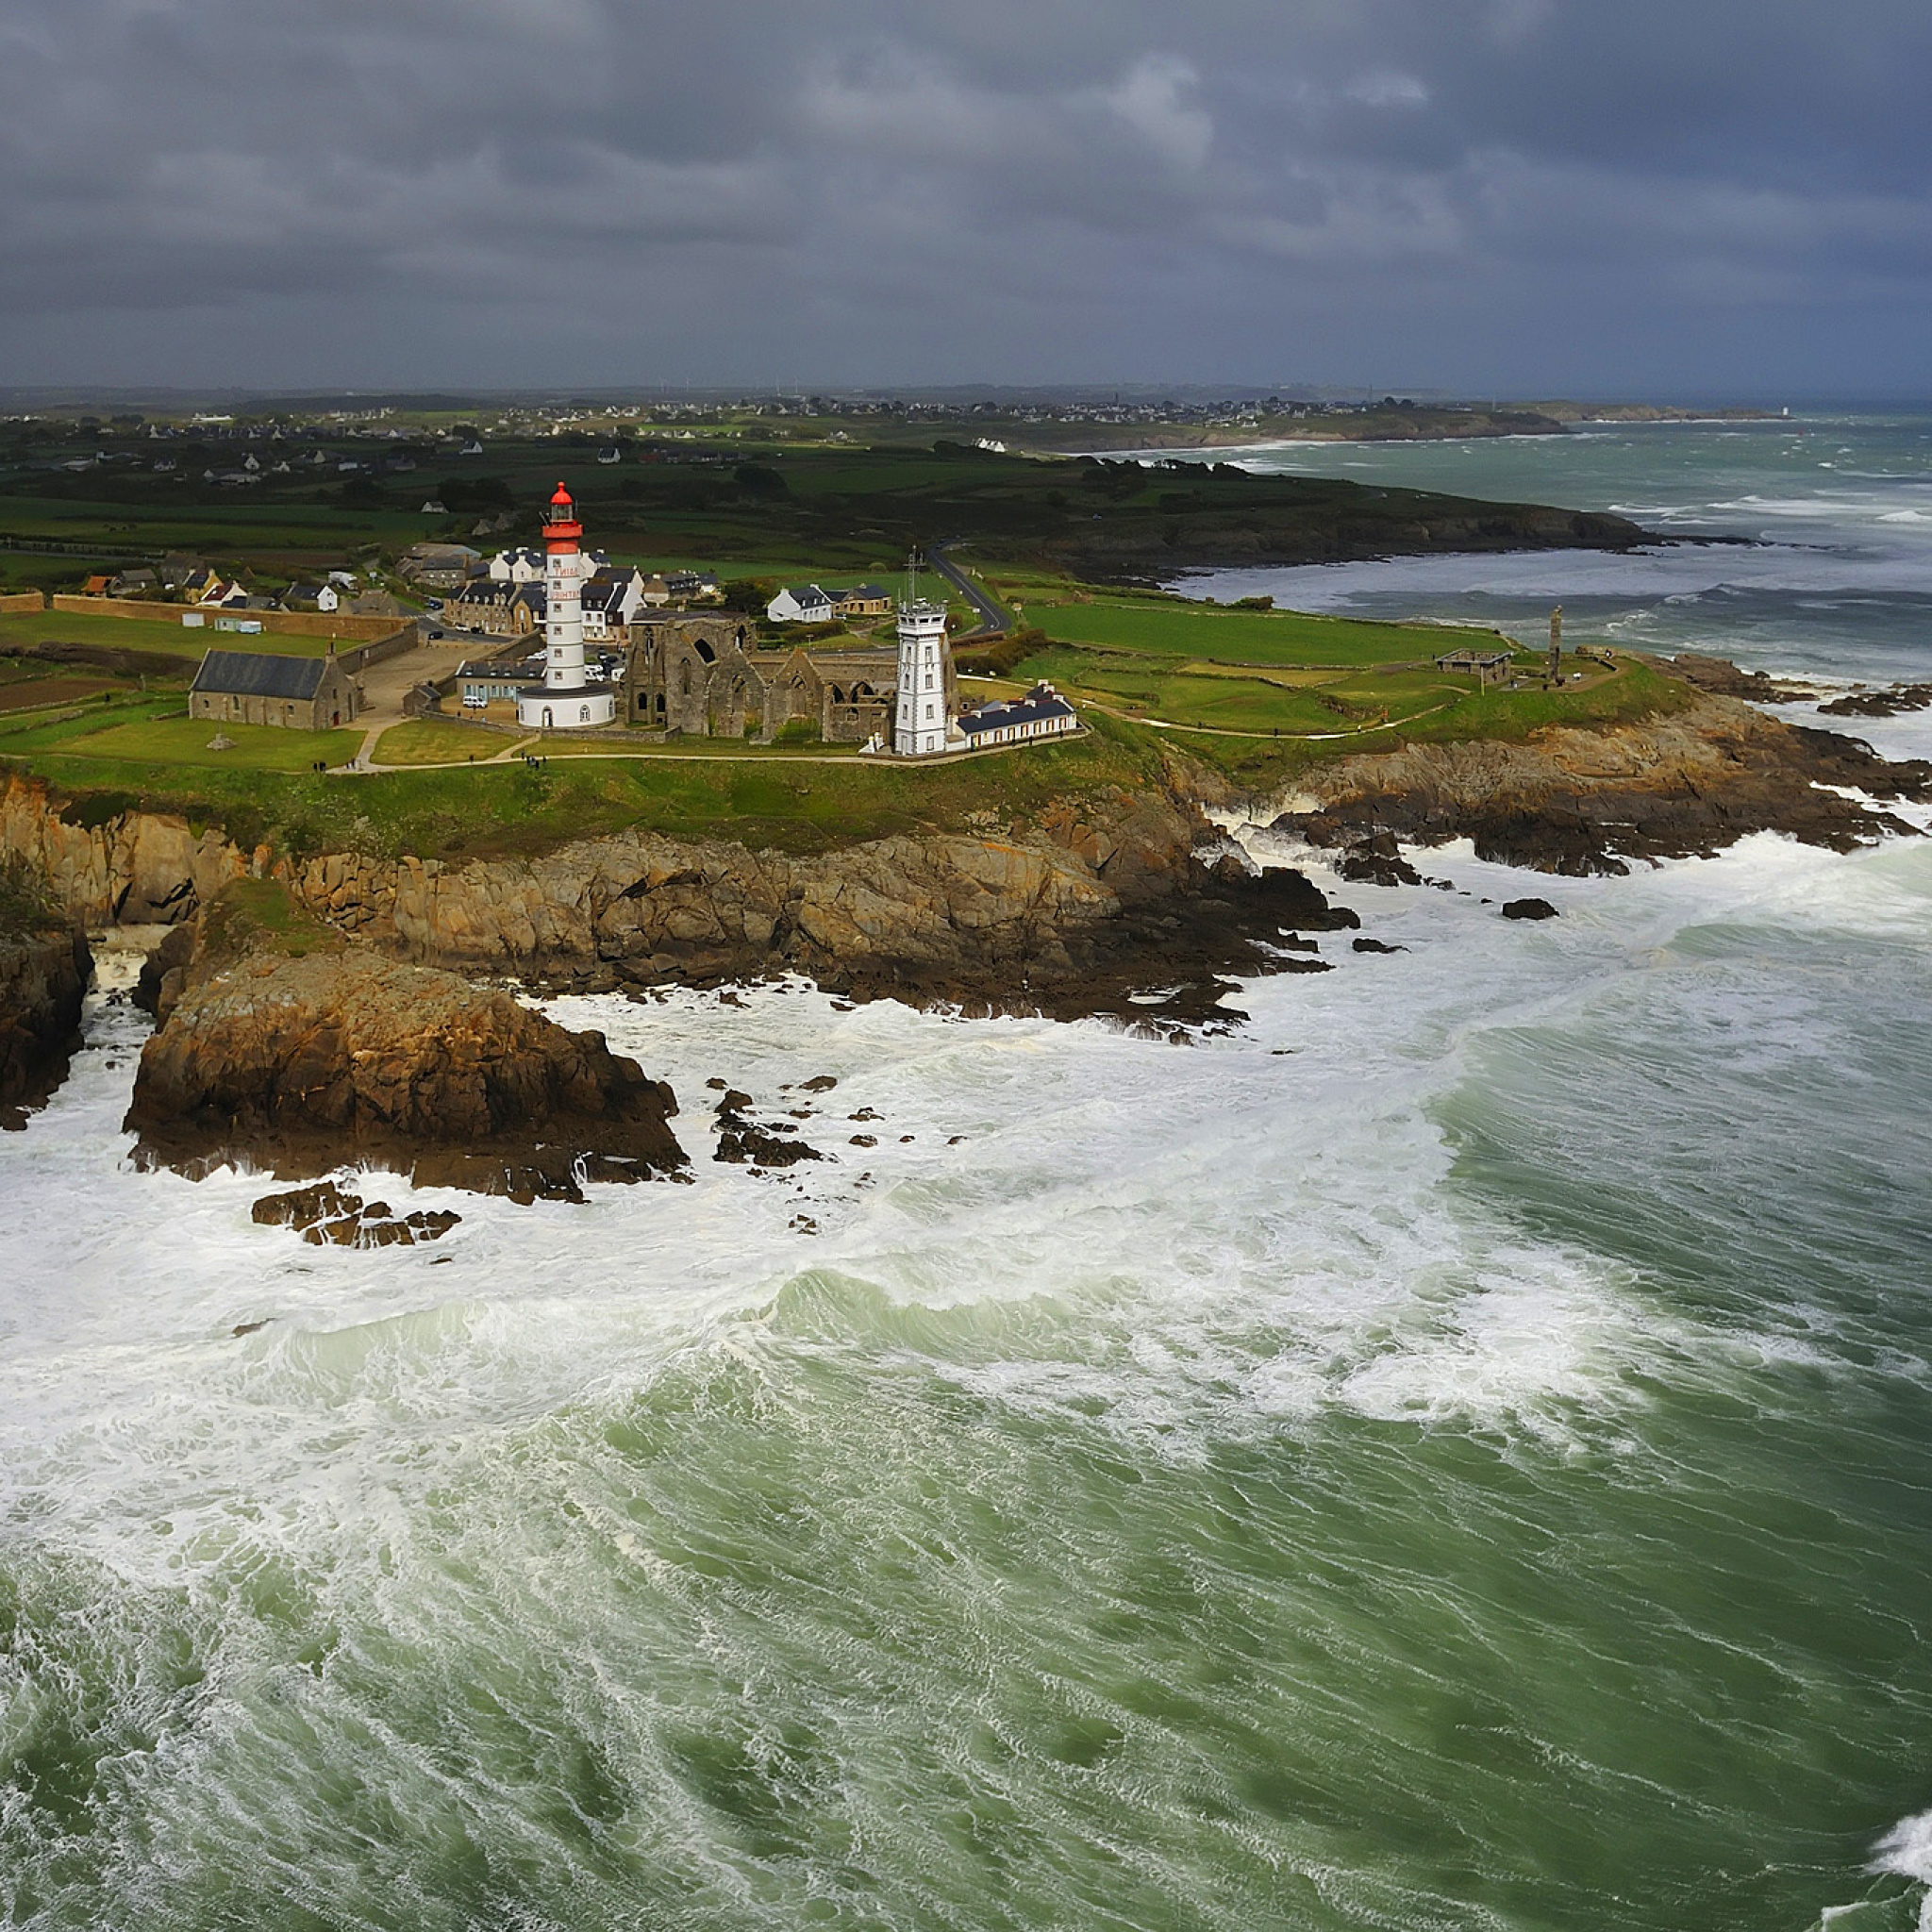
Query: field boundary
[[342, 624]]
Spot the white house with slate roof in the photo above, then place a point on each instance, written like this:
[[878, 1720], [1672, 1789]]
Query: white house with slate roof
[[801, 604], [1041, 713]]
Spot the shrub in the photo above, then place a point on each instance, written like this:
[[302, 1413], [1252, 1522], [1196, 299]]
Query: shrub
[[998, 658], [755, 479], [27, 902]]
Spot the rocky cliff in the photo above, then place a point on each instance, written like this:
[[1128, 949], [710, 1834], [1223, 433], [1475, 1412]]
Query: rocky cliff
[[44, 975], [1072, 913], [302, 1060], [1579, 801]]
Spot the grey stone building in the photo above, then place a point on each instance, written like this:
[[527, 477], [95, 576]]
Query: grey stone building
[[703, 676], [258, 688]]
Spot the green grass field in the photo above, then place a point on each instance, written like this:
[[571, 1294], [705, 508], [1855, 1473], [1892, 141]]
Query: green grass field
[[153, 734], [498, 810], [166, 636], [1178, 627]]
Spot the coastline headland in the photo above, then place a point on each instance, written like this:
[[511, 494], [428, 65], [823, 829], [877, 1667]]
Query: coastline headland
[[362, 1012]]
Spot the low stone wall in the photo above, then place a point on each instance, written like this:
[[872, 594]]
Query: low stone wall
[[288, 623], [381, 651], [15, 602]]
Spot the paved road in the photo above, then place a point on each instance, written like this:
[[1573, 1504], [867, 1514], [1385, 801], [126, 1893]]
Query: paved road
[[995, 619]]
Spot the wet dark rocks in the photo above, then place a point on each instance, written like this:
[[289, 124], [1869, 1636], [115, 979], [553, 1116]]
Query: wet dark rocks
[[326, 1214], [1368, 945], [1725, 679], [1375, 860], [1529, 909], [43, 980], [1886, 702], [746, 1142]]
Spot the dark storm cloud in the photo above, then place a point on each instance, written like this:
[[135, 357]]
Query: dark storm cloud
[[1510, 193]]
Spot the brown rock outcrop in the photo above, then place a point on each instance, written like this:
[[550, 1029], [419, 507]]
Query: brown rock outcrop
[[119, 867], [1575, 801], [44, 978], [300, 1064]]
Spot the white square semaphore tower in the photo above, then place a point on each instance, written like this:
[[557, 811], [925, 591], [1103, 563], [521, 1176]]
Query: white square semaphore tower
[[566, 700], [922, 720]]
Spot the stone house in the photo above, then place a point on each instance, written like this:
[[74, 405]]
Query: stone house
[[497, 605], [258, 688]]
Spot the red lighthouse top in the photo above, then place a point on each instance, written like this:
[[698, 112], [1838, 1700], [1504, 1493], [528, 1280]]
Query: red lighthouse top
[[561, 527]]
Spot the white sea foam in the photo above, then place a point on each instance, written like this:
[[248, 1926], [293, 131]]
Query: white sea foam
[[1906, 1851]]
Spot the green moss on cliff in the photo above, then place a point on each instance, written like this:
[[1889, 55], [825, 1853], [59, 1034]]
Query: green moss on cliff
[[26, 904]]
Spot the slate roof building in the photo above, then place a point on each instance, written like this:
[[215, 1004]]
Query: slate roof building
[[1041, 713], [259, 688], [800, 604]]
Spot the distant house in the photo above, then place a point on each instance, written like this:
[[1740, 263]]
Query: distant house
[[254, 687], [472, 448], [99, 585], [434, 507], [610, 455], [322, 597], [521, 566], [141, 582], [499, 608], [377, 604], [861, 600], [437, 567], [1041, 713], [801, 604], [691, 587], [610, 599], [224, 593]]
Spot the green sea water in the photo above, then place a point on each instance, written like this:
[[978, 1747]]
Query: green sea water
[[1454, 1453]]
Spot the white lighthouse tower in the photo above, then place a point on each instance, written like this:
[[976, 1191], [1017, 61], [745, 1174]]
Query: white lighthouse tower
[[922, 717], [565, 700]]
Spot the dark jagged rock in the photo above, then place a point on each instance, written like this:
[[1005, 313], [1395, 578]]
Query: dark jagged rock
[[1722, 678], [1368, 946], [1580, 802], [742, 1141], [325, 1213], [43, 980], [1529, 909], [1886, 702], [164, 972], [1376, 860], [302, 1063]]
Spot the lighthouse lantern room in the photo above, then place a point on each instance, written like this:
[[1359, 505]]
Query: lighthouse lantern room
[[566, 700]]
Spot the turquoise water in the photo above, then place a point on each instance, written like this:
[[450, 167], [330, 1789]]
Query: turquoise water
[[1455, 1454], [1833, 578]]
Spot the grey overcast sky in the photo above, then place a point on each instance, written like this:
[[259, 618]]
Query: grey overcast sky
[[1607, 197]]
